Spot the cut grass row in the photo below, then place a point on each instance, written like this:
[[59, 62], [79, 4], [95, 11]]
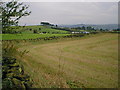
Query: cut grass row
[[90, 62]]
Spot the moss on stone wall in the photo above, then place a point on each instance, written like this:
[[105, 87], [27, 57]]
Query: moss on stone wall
[[13, 75]]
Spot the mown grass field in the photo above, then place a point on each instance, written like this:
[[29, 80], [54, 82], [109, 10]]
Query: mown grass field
[[90, 62], [27, 36]]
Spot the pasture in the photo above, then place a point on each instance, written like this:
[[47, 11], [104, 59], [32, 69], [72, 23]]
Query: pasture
[[38, 28], [27, 36], [90, 62]]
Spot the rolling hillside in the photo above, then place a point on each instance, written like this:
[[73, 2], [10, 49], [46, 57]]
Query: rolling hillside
[[99, 26], [39, 29]]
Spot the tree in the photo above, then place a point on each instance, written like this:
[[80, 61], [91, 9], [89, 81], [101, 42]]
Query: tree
[[83, 28], [35, 31], [11, 13], [101, 29], [39, 28], [45, 23], [89, 28]]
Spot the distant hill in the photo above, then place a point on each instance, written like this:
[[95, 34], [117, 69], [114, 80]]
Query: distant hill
[[96, 26]]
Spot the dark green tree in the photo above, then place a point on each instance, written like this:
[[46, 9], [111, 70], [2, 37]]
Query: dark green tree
[[45, 23], [35, 31], [11, 13], [89, 28], [101, 30], [83, 28]]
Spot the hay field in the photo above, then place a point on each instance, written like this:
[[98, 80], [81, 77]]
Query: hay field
[[90, 62]]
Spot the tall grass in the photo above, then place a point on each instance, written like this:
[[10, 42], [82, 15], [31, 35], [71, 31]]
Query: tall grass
[[10, 49]]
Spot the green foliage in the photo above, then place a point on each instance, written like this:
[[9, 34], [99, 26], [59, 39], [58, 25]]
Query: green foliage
[[45, 23], [11, 13], [35, 31], [13, 75], [7, 83]]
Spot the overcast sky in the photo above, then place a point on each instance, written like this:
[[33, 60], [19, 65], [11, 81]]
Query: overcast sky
[[72, 13]]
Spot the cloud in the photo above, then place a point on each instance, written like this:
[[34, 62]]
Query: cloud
[[72, 12]]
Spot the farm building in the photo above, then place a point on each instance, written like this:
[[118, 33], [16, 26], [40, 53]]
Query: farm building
[[85, 32]]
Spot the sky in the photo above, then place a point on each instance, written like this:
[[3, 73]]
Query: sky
[[71, 13]]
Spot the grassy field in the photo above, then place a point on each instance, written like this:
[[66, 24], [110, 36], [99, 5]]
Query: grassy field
[[27, 36], [90, 62], [39, 28]]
